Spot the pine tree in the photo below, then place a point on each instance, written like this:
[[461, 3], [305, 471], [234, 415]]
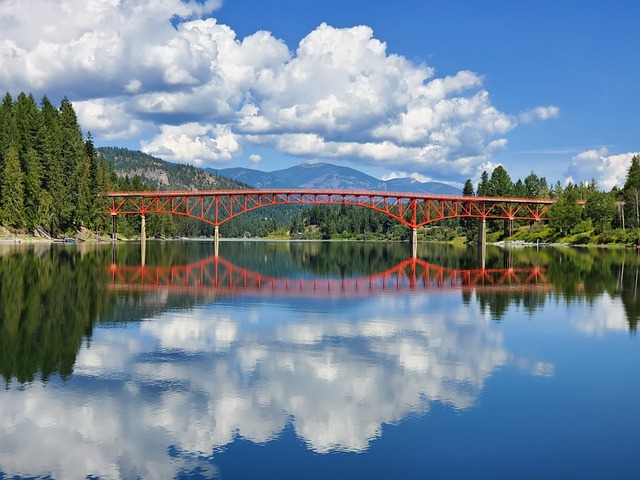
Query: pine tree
[[468, 224], [536, 187], [7, 130], [566, 213], [467, 191], [500, 184], [631, 194], [32, 187], [519, 190], [52, 179], [8, 134], [483, 186], [85, 198], [633, 174], [12, 189], [92, 156], [72, 152]]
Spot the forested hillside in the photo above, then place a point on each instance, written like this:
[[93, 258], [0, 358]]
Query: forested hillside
[[162, 175]]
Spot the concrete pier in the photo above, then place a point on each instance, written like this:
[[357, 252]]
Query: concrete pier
[[414, 243], [114, 227], [143, 229], [143, 241], [482, 232], [216, 239]]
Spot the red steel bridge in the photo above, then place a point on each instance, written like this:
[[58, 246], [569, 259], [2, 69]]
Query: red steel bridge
[[411, 209], [215, 275]]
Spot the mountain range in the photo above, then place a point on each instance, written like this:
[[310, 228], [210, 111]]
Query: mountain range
[[326, 175], [165, 175]]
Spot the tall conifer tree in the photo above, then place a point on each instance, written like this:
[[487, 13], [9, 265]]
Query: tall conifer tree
[[52, 179], [12, 189], [30, 131], [72, 153]]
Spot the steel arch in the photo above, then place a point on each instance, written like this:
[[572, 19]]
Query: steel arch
[[413, 210]]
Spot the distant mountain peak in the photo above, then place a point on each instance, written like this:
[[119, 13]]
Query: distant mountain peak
[[319, 175]]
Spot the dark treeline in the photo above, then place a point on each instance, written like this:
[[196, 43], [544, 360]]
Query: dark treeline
[[51, 176], [582, 214]]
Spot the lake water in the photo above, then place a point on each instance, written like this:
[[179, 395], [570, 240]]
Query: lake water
[[318, 360]]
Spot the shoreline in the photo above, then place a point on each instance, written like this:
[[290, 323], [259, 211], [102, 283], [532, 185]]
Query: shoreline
[[24, 239]]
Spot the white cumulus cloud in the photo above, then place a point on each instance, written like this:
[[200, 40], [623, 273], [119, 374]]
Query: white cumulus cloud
[[168, 67], [539, 113], [194, 141], [607, 170]]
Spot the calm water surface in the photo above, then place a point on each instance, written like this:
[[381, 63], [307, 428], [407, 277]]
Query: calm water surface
[[318, 360]]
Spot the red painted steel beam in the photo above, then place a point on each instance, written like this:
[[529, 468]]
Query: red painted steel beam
[[218, 273], [414, 210]]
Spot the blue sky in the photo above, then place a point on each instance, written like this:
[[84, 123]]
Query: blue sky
[[434, 89]]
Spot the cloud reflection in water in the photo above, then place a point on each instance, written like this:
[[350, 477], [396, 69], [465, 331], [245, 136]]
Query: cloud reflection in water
[[193, 381]]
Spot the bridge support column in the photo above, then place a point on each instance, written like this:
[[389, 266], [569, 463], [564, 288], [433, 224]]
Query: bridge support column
[[216, 239], [482, 242], [143, 241], [114, 227], [143, 229], [482, 232], [414, 242]]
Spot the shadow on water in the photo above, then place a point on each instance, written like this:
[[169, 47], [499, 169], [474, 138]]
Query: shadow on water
[[52, 296]]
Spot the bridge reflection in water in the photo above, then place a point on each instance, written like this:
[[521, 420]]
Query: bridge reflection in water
[[217, 275]]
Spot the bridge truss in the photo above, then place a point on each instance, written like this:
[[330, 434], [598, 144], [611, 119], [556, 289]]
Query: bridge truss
[[218, 275], [413, 210]]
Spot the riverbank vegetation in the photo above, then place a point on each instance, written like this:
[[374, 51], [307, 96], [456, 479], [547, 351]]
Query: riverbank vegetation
[[53, 177]]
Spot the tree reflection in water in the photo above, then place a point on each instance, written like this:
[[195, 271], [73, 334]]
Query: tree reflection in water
[[51, 298]]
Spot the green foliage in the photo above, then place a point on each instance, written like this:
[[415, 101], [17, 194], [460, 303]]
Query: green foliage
[[345, 222], [13, 190], [500, 184], [519, 190], [484, 187], [535, 187], [160, 175], [631, 194], [583, 227], [50, 177], [601, 210], [566, 213], [467, 190]]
